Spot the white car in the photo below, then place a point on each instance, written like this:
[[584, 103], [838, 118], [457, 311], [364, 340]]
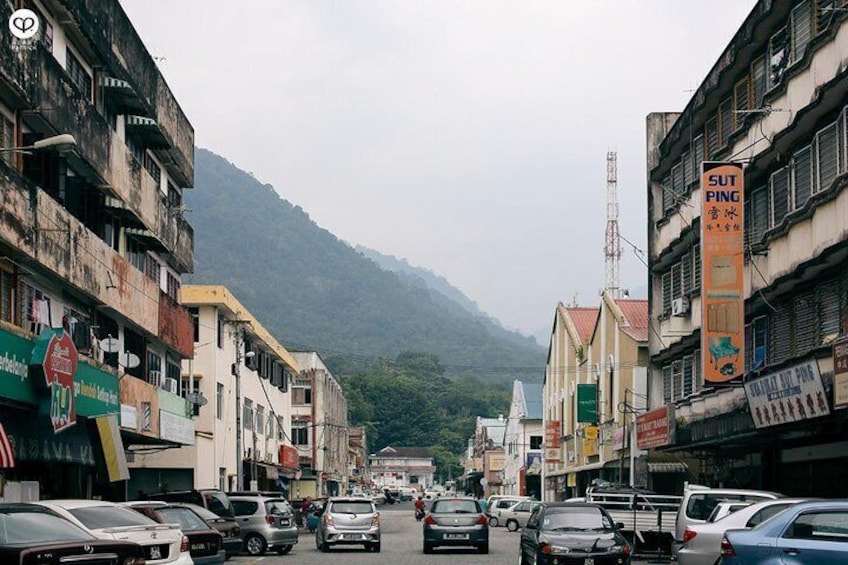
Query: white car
[[702, 542], [163, 543]]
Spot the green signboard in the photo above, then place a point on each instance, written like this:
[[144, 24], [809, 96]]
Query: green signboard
[[587, 404], [15, 352]]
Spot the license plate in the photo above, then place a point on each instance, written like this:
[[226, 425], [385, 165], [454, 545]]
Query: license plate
[[199, 546], [155, 552], [589, 561], [351, 536], [456, 536]]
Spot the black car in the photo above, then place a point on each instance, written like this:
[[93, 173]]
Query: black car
[[34, 534], [205, 544], [569, 533]]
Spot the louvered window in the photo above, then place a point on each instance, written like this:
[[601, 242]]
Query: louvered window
[[677, 186], [759, 341], [779, 195], [827, 151], [7, 283], [676, 280], [686, 273], [780, 335], [667, 194], [759, 214], [842, 135], [698, 155], [759, 81], [667, 386], [697, 375], [666, 285], [688, 170], [677, 380], [805, 323], [711, 133], [696, 269], [802, 176], [778, 57], [802, 29], [749, 347], [726, 116], [828, 304], [740, 103], [688, 376], [825, 13]]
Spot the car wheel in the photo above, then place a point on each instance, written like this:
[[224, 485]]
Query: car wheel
[[283, 549], [255, 544], [484, 548], [428, 547], [493, 522], [512, 525]]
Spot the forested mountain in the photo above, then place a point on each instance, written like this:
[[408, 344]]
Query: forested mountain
[[313, 291]]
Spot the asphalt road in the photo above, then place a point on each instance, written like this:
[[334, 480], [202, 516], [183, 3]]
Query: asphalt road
[[401, 544]]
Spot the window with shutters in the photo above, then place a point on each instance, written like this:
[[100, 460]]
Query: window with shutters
[[677, 183], [780, 335], [726, 128], [801, 22], [778, 56], [828, 306], [779, 195], [804, 313], [677, 380], [697, 375], [667, 194], [247, 414], [260, 418], [802, 177], [7, 139], [712, 136], [759, 81], [666, 294], [825, 12], [842, 141], [688, 376], [696, 269], [667, 384], [676, 281], [7, 285], [686, 273], [698, 155], [688, 170], [827, 157], [741, 93], [759, 214], [759, 342]]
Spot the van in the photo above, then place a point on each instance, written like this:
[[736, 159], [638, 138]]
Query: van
[[700, 501]]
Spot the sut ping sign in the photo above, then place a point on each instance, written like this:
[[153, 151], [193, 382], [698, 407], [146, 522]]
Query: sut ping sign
[[56, 356]]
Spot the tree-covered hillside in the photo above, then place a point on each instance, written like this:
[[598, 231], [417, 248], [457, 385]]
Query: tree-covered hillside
[[314, 291]]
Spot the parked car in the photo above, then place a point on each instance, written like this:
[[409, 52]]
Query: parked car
[[378, 498], [699, 502], [349, 521], [265, 522], [31, 533], [495, 505], [162, 543], [211, 499], [515, 517], [557, 531], [702, 542], [808, 533], [726, 508], [228, 527], [205, 544], [407, 493], [456, 522]]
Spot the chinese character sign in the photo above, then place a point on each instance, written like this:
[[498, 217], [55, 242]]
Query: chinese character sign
[[722, 267], [840, 373]]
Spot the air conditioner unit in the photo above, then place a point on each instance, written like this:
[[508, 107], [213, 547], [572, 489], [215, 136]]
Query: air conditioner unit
[[154, 377], [680, 306], [171, 385]]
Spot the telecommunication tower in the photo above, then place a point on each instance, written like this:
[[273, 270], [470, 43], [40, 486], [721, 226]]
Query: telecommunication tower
[[612, 247]]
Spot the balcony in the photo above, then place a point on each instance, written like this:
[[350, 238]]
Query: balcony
[[175, 326], [12, 64]]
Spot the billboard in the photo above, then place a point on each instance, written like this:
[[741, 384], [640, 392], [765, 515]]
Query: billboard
[[840, 373], [653, 429], [722, 262], [553, 441], [587, 404], [791, 395]]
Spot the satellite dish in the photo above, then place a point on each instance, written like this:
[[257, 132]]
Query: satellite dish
[[129, 360], [197, 398], [110, 345]]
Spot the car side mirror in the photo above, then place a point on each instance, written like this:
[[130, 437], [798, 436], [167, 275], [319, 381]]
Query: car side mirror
[[619, 525]]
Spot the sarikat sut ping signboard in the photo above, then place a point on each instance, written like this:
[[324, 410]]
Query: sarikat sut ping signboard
[[722, 268], [791, 395]]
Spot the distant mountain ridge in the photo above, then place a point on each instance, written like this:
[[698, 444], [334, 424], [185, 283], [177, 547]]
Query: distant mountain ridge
[[313, 291]]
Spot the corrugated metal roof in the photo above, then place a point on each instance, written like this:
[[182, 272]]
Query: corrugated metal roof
[[636, 313], [532, 400], [584, 321]]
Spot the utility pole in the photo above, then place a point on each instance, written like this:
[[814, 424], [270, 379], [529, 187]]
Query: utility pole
[[238, 342], [612, 245]]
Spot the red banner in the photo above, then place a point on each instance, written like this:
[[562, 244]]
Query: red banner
[[653, 429], [288, 457], [553, 434]]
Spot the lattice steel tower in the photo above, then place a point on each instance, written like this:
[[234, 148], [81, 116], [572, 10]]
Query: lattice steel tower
[[612, 247]]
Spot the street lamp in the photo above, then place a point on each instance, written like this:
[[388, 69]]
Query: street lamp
[[62, 143]]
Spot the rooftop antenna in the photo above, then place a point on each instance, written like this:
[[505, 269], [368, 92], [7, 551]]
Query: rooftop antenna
[[612, 246]]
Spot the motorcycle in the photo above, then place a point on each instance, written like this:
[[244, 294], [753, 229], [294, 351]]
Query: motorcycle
[[419, 514]]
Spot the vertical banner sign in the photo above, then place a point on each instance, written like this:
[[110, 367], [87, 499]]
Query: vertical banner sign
[[553, 441], [722, 261], [587, 404], [55, 353], [840, 373]]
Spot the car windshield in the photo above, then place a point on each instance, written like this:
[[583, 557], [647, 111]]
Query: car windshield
[[565, 519], [701, 505], [455, 507], [351, 508], [220, 504], [277, 507], [99, 517], [27, 526], [187, 520]]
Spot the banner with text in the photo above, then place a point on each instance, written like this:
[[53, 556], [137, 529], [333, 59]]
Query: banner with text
[[790, 395], [840, 373], [722, 267], [653, 429], [553, 441], [587, 404]]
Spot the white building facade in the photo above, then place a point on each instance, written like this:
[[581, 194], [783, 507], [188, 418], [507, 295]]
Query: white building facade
[[523, 442], [394, 467]]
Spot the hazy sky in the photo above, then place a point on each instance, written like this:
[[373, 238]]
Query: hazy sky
[[467, 136]]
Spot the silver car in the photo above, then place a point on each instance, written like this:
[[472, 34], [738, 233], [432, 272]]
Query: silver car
[[349, 521], [515, 517], [266, 523]]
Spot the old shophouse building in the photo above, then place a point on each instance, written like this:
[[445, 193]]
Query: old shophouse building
[[752, 393], [93, 245]]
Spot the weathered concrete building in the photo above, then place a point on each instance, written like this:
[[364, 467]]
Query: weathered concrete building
[[764, 409], [93, 241]]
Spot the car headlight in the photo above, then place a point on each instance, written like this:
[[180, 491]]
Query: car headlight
[[560, 549]]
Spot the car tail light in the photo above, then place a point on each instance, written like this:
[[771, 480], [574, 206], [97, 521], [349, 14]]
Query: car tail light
[[727, 548], [482, 521], [688, 535], [375, 520], [545, 548], [429, 520], [328, 519], [270, 519], [184, 544], [625, 549]]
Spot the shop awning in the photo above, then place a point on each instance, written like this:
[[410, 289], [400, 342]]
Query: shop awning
[[7, 456], [147, 237], [668, 467], [113, 448], [121, 93], [148, 130]]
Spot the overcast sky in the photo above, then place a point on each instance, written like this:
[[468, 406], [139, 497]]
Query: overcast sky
[[467, 136]]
